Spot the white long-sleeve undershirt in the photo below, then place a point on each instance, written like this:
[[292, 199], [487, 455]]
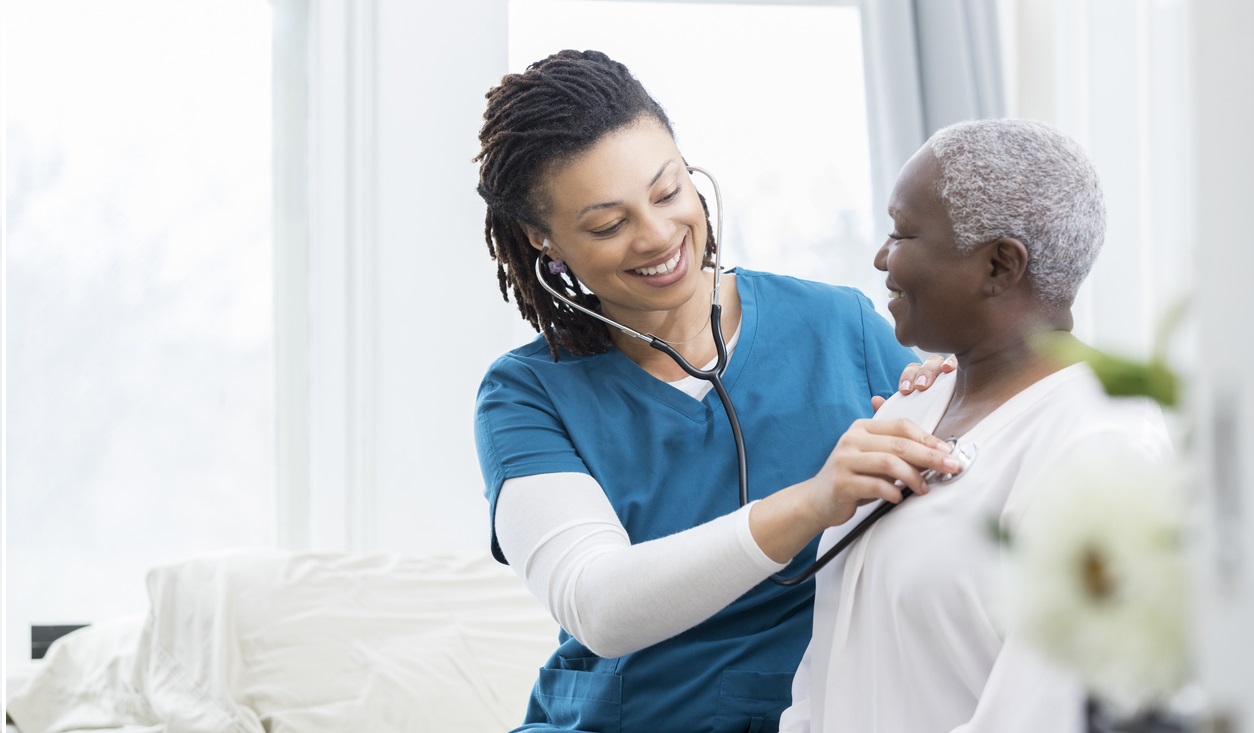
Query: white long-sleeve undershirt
[[563, 538]]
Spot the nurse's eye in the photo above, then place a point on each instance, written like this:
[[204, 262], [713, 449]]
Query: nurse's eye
[[671, 196], [608, 231]]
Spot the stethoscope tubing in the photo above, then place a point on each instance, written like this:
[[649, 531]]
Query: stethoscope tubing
[[715, 378]]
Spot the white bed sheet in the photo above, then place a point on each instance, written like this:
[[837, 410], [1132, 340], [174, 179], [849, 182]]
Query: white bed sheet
[[267, 641]]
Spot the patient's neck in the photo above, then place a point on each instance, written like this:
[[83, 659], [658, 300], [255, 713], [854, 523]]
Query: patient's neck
[[985, 381]]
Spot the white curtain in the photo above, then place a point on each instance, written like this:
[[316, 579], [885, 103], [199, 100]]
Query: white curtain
[[929, 63]]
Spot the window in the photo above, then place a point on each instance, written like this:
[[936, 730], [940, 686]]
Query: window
[[769, 97], [140, 389]]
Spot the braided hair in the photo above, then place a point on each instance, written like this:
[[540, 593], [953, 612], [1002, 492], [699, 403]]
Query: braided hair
[[557, 109]]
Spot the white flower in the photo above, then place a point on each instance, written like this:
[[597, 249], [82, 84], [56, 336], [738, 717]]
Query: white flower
[[1098, 577]]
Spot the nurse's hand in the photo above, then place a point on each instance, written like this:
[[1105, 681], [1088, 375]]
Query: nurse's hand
[[865, 464], [920, 376], [869, 460]]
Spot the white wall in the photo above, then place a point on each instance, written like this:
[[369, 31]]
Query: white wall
[[441, 317], [1222, 59], [391, 303]]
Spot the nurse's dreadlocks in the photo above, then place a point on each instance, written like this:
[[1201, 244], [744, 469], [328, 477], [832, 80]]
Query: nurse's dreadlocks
[[554, 111]]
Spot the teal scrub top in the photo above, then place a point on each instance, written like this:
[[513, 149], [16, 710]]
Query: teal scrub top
[[808, 360]]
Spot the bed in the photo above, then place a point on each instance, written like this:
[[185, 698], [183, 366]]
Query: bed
[[271, 642]]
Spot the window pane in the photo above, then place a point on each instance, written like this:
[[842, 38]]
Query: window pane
[[140, 391], [769, 98]]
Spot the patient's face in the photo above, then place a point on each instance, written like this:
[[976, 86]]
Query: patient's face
[[934, 288]]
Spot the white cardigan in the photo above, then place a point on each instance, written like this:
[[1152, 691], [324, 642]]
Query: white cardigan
[[907, 637]]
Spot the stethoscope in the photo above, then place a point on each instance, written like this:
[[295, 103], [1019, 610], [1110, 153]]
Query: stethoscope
[[714, 376]]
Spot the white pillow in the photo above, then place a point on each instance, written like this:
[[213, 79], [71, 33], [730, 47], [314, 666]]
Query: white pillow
[[260, 641], [84, 683]]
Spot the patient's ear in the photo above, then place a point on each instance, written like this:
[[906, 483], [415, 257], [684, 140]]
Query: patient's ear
[[1007, 265]]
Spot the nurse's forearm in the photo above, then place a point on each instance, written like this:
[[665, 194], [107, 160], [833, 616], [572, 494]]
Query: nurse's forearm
[[653, 590], [562, 537]]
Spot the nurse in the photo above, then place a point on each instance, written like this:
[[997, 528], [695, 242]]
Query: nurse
[[610, 474]]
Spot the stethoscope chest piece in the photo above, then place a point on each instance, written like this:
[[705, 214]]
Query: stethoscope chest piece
[[965, 455]]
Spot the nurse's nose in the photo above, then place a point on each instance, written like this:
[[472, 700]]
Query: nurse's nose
[[657, 232]]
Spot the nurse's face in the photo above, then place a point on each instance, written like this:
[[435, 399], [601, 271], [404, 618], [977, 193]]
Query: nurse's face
[[628, 223], [935, 289]]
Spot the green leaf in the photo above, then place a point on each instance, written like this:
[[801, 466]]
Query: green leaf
[[1119, 376], [998, 533]]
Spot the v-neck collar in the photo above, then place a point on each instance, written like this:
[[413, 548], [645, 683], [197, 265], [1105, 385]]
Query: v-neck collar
[[1006, 412], [699, 410]]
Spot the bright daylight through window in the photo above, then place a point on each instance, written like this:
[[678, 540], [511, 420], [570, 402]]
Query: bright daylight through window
[[140, 379]]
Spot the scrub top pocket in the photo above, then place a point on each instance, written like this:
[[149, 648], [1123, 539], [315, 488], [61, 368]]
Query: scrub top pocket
[[752, 702], [579, 700]]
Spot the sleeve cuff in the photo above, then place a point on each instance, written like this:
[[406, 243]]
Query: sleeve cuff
[[750, 546]]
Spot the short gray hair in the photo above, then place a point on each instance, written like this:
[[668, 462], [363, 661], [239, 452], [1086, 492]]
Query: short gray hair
[[1026, 180]]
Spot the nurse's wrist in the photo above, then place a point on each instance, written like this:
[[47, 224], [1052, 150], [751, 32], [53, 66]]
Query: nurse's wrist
[[784, 522]]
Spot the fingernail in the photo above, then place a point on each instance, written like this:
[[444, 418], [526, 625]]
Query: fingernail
[[905, 385], [939, 444], [952, 464], [921, 380]]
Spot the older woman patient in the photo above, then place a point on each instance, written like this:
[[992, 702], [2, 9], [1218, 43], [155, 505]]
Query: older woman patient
[[996, 224]]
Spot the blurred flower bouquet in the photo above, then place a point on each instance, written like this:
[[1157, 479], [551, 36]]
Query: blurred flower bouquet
[[1099, 583]]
